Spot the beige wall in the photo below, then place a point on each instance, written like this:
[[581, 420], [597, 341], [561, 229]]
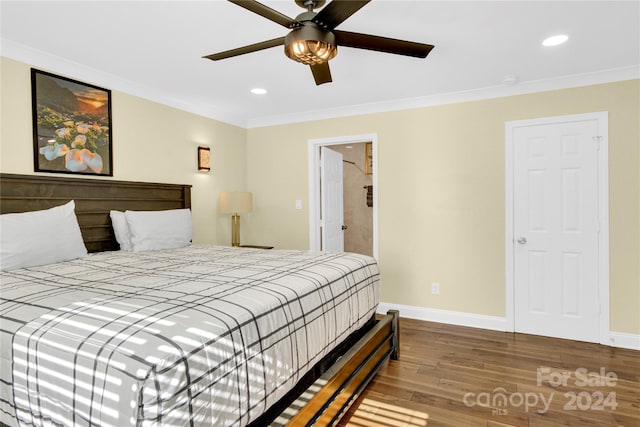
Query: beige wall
[[151, 142], [441, 194]]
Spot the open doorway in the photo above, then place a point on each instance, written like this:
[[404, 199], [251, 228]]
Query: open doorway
[[359, 195], [357, 185]]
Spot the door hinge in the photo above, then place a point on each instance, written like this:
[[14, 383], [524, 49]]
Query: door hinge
[[597, 139]]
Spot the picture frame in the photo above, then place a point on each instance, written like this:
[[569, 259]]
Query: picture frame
[[72, 129], [368, 158]]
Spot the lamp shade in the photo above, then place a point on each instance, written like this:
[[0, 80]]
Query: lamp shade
[[236, 202]]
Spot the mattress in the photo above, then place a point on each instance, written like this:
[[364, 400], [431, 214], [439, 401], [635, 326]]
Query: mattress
[[202, 335]]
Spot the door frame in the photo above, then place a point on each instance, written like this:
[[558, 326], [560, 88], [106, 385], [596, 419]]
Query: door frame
[[314, 184], [603, 215]]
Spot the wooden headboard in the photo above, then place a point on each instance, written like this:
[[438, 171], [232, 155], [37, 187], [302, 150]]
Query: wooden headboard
[[94, 198]]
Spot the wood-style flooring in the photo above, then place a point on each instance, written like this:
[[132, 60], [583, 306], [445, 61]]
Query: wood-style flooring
[[457, 376]]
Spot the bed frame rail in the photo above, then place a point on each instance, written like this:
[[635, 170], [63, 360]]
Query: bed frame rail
[[339, 387]]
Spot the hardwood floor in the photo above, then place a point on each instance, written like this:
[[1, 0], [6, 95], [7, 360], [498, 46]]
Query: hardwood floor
[[456, 376]]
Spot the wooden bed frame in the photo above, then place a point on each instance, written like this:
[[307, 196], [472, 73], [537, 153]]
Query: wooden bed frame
[[336, 381]]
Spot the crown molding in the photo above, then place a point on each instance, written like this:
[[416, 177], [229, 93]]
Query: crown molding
[[53, 63], [533, 86], [40, 59]]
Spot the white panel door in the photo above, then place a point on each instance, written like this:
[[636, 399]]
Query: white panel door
[[556, 230], [331, 199]]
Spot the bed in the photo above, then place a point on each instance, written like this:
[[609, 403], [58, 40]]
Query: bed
[[198, 335]]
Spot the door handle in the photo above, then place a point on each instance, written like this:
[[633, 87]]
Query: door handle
[[344, 227], [522, 240]]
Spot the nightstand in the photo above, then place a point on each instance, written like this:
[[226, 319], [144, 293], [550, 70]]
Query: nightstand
[[256, 246]]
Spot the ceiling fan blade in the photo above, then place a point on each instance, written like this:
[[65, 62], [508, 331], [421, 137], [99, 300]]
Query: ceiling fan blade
[[336, 12], [246, 49], [266, 12], [321, 73], [382, 44]]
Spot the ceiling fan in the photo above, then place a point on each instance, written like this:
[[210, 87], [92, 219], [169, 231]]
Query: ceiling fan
[[313, 39]]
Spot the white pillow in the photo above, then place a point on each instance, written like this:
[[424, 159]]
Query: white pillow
[[41, 237], [154, 230], [121, 230]]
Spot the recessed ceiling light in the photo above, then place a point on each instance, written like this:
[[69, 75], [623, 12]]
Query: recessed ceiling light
[[258, 91], [555, 40]]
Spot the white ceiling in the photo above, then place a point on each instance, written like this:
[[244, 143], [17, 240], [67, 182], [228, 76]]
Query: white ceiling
[[154, 49]]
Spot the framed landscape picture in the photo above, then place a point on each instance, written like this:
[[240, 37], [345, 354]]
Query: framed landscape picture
[[71, 126]]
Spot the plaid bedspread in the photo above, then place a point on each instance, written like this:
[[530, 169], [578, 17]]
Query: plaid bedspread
[[203, 335]]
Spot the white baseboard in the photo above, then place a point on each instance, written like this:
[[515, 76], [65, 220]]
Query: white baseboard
[[624, 340], [494, 323], [481, 321]]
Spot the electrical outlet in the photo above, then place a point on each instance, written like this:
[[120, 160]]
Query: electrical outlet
[[435, 288]]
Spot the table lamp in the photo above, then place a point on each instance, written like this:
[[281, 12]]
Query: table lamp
[[235, 202]]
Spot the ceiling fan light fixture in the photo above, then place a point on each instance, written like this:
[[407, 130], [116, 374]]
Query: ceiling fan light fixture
[[310, 45], [311, 52]]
